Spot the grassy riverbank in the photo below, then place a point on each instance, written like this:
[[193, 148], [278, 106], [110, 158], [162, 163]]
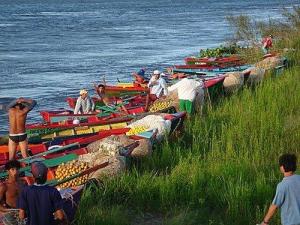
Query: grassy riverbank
[[222, 169]]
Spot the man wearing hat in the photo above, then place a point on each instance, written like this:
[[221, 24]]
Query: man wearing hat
[[157, 86], [39, 203], [84, 104]]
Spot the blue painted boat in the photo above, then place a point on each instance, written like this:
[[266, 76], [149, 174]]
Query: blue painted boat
[[200, 71]]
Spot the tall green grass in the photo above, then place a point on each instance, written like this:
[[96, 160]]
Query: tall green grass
[[222, 169]]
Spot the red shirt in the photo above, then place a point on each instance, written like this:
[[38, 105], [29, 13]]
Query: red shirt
[[267, 42]]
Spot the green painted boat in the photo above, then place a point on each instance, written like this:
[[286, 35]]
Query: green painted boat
[[48, 162]]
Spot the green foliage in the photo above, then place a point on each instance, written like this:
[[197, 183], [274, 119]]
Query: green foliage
[[249, 31], [221, 51]]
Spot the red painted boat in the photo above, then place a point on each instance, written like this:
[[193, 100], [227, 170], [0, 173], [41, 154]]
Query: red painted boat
[[76, 145], [230, 60], [197, 66], [135, 87], [130, 101], [62, 116], [208, 83], [93, 120]]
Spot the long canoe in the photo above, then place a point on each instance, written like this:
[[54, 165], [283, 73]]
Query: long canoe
[[199, 68], [221, 61], [127, 100], [76, 145], [39, 132], [134, 89], [108, 113]]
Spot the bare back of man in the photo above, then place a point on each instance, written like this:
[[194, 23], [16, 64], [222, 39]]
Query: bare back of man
[[18, 111]]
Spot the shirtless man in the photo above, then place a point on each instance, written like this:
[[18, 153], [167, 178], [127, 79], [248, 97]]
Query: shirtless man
[[10, 189], [100, 90], [17, 111]]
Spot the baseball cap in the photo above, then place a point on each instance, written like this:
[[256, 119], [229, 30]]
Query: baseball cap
[[39, 170], [141, 72], [156, 72], [83, 91]]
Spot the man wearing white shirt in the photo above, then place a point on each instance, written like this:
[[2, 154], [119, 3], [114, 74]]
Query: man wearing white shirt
[[157, 86], [187, 90]]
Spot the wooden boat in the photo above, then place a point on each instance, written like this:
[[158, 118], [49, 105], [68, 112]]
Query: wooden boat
[[233, 60], [129, 101], [209, 83], [106, 114], [78, 141], [76, 145], [193, 69], [129, 89], [197, 66], [40, 132]]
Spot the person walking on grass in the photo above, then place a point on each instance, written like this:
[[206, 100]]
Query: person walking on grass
[[287, 196], [17, 113], [39, 203]]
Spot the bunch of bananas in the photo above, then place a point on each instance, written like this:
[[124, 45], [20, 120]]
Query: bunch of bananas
[[160, 105], [137, 130], [69, 169]]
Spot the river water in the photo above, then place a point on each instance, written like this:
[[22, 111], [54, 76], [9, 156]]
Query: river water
[[50, 49]]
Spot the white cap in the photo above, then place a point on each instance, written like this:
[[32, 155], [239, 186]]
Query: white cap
[[76, 121], [156, 72], [83, 91]]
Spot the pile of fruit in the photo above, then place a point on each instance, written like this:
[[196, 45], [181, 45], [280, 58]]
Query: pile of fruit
[[69, 169], [160, 105], [137, 130]]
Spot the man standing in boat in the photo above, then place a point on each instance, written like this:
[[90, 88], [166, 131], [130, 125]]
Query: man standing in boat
[[84, 104], [17, 111], [100, 90]]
